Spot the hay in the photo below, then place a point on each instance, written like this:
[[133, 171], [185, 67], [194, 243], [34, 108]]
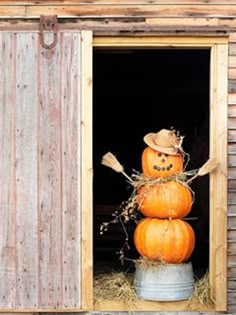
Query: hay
[[147, 263], [202, 293], [118, 286], [115, 287]]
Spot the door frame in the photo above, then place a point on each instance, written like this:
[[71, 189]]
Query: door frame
[[218, 148]]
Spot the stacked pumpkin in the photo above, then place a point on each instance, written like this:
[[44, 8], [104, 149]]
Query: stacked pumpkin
[[162, 235]]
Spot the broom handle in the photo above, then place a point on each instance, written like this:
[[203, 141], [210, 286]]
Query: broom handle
[[129, 178], [192, 178]]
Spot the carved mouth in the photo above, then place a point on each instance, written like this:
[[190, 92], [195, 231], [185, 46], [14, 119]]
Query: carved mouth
[[163, 168]]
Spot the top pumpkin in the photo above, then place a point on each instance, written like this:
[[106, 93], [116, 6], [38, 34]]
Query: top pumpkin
[[163, 156], [158, 164]]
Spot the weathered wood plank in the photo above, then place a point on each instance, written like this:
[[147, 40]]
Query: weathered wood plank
[[232, 234], [232, 282], [232, 73], [232, 48], [232, 61], [232, 86], [231, 222], [218, 179], [50, 193], [232, 160], [231, 100], [26, 170], [232, 197], [12, 10], [71, 218], [231, 209], [94, 2], [231, 150], [232, 135], [231, 272], [232, 184], [231, 296], [184, 22], [7, 172], [87, 170], [231, 247], [134, 10], [232, 309]]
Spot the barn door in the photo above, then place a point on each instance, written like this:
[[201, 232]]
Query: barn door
[[41, 110]]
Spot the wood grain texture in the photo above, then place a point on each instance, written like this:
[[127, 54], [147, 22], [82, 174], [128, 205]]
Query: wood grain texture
[[7, 172], [71, 165], [49, 190], [87, 171], [218, 179], [117, 9], [26, 171], [40, 236]]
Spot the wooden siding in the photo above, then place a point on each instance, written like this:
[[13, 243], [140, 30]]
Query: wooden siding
[[40, 249]]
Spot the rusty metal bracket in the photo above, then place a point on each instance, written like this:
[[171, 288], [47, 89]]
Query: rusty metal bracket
[[48, 23]]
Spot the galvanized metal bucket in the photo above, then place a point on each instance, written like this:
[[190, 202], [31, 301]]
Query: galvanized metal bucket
[[165, 282]]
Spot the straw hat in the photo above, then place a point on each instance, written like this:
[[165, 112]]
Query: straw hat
[[165, 141]]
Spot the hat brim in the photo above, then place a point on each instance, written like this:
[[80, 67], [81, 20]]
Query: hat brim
[[149, 140]]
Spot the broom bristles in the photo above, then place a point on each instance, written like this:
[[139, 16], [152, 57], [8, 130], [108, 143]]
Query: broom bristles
[[208, 167], [111, 161]]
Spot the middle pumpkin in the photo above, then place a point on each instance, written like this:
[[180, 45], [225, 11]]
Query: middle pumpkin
[[168, 199]]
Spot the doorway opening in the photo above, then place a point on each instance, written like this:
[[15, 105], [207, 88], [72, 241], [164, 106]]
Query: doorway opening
[[137, 91]]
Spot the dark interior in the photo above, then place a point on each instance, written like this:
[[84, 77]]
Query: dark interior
[[137, 91]]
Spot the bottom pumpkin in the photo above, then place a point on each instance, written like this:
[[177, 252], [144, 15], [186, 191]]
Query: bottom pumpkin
[[168, 241]]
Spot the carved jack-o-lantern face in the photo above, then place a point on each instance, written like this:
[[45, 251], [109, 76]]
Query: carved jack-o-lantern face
[[158, 164]]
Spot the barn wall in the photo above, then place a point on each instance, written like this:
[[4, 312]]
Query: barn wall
[[186, 16]]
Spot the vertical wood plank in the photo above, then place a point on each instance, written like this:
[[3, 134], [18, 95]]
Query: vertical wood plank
[[26, 170], [50, 246], [87, 170], [218, 179], [7, 172], [71, 216]]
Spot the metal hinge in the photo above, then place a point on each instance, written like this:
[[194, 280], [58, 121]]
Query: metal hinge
[[48, 23]]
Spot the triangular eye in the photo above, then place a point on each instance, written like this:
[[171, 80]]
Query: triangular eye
[[159, 154], [166, 154]]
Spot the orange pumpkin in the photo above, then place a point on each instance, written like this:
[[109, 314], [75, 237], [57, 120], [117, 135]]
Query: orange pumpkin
[[169, 241], [169, 199], [158, 164]]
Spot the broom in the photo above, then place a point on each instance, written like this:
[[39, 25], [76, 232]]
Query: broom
[[110, 160], [208, 167]]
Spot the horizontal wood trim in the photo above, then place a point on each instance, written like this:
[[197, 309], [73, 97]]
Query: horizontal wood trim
[[151, 306], [118, 9], [158, 41], [140, 2]]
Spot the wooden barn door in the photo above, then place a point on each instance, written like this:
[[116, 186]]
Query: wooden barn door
[[41, 169]]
